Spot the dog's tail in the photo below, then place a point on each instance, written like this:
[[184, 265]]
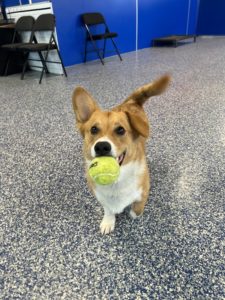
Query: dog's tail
[[154, 88]]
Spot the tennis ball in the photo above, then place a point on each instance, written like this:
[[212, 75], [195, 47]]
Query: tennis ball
[[104, 170]]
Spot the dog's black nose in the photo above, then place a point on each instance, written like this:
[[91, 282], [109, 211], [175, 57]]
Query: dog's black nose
[[102, 149]]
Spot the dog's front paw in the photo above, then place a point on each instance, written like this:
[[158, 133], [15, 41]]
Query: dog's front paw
[[107, 226]]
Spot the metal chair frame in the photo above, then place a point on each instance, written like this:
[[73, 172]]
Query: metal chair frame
[[23, 24], [98, 19], [35, 46]]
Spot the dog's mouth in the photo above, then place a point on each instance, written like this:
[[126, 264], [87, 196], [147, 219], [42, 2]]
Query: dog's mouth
[[120, 158]]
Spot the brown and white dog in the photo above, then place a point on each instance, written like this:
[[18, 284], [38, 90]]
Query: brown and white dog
[[121, 133]]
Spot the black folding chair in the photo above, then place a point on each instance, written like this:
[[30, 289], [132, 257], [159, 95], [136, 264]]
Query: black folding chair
[[91, 20], [22, 34], [44, 23]]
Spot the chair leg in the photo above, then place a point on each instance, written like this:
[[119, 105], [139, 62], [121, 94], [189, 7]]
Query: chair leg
[[24, 66], [104, 48], [44, 66], [85, 51], [97, 51], [7, 65], [63, 67], [43, 60], [117, 51]]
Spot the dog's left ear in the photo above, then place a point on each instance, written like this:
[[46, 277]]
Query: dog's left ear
[[133, 105], [138, 120]]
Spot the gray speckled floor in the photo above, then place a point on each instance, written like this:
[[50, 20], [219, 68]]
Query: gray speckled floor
[[51, 247]]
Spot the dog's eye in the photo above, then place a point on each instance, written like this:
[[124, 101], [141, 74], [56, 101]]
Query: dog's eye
[[120, 130], [94, 130]]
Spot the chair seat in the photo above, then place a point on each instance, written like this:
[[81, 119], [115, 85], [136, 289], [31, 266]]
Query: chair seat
[[104, 36], [36, 47], [11, 47]]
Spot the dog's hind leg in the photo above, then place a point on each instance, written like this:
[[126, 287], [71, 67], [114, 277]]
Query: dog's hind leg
[[137, 207]]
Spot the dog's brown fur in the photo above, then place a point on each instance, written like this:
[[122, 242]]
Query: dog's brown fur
[[131, 116]]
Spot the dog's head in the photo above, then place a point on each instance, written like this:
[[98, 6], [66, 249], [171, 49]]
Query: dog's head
[[120, 132]]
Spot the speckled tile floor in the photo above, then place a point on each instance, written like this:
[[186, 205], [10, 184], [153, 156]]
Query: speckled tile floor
[[51, 247]]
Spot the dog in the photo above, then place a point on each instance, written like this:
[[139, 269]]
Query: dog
[[121, 133]]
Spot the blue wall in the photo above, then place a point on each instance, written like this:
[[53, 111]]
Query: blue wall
[[120, 16], [156, 18], [211, 19], [193, 17], [160, 17], [15, 2], [165, 17]]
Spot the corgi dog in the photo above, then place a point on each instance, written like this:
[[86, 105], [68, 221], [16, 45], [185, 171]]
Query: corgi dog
[[120, 133]]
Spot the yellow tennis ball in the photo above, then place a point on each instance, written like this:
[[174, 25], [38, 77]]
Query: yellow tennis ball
[[104, 170]]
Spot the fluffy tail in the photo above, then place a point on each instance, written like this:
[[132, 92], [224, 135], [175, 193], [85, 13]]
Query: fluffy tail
[[154, 88]]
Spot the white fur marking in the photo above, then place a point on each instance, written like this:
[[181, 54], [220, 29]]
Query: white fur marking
[[124, 191], [108, 224], [133, 214]]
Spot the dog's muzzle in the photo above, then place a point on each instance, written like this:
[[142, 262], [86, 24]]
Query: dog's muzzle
[[104, 148]]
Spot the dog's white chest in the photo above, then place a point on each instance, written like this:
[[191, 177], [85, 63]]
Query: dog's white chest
[[125, 191]]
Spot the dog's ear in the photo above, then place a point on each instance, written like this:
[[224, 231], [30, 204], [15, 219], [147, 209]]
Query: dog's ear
[[143, 93], [83, 104], [133, 105], [138, 121]]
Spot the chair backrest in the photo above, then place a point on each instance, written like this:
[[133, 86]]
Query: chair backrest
[[93, 18], [24, 29], [45, 22], [25, 23]]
